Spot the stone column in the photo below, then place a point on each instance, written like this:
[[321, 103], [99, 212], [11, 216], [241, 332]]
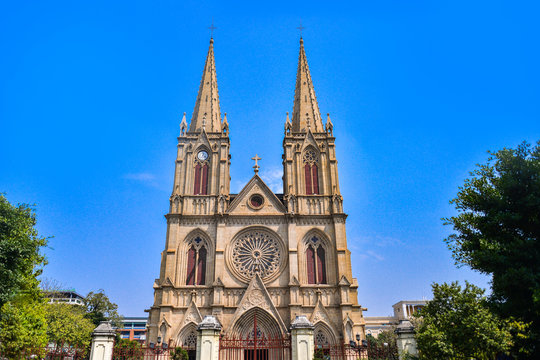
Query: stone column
[[406, 343], [208, 338], [302, 342], [102, 342]]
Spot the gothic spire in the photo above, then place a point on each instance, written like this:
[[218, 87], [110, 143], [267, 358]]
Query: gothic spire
[[306, 112], [206, 113]]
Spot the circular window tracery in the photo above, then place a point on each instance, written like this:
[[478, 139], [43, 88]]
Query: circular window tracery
[[310, 156], [256, 251]]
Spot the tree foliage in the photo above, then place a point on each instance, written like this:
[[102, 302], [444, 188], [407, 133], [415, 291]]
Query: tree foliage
[[22, 326], [126, 349], [22, 312], [388, 336], [458, 323], [67, 325], [179, 354], [20, 258], [99, 308], [497, 232]]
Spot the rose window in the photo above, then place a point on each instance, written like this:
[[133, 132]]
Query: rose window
[[256, 251]]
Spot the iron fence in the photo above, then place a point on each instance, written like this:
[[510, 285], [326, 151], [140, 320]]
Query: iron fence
[[257, 348]]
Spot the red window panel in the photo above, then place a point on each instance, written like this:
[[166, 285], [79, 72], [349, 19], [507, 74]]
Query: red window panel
[[310, 257], [315, 178], [321, 266], [197, 183], [201, 267], [307, 169], [204, 184], [190, 279]]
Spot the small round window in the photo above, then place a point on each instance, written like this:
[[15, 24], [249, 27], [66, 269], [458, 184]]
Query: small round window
[[256, 201]]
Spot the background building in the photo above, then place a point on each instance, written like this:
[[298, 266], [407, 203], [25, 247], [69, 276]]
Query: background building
[[403, 310], [134, 328], [64, 296]]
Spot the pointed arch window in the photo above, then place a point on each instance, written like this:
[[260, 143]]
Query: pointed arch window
[[316, 261], [196, 262], [200, 183], [311, 172]]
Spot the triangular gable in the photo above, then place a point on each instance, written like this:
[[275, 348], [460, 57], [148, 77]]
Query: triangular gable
[[192, 315], [310, 140], [344, 281], [320, 314], [271, 205], [167, 282], [202, 140], [256, 295]]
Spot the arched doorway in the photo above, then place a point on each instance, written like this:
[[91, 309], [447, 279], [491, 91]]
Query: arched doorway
[[256, 335]]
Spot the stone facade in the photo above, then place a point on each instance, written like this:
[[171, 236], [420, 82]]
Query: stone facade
[[231, 255]]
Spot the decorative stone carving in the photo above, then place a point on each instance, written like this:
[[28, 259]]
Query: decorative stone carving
[[257, 295], [256, 251]]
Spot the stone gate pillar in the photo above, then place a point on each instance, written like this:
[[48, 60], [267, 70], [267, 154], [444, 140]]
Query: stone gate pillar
[[406, 343], [208, 338], [302, 342], [102, 342]]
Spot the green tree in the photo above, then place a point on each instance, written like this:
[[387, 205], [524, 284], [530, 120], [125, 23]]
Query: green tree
[[388, 336], [497, 232], [458, 323], [22, 326], [125, 349], [20, 258], [68, 325], [22, 313], [179, 354], [99, 308]]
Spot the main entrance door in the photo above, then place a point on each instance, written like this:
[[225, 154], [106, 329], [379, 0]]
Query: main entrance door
[[255, 343]]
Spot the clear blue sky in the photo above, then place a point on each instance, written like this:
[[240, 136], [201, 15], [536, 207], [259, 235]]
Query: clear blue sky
[[92, 93]]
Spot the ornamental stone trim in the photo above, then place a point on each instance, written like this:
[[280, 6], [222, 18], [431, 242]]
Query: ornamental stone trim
[[256, 250], [209, 322]]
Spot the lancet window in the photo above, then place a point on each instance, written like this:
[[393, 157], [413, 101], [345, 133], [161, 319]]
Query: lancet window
[[200, 183], [316, 261], [196, 262], [311, 170]]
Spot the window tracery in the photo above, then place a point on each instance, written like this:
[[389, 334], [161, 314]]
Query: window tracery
[[196, 262], [321, 339], [190, 341], [256, 251], [316, 261], [311, 171], [200, 183]]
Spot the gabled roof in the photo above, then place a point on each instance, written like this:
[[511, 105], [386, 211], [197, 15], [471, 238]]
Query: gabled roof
[[271, 204]]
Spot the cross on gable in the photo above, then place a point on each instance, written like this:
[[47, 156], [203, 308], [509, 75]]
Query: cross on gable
[[256, 158]]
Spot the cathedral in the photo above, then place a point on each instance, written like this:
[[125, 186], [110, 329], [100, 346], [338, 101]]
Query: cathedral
[[255, 257]]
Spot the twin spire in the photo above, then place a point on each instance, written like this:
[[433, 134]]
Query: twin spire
[[206, 113], [306, 114]]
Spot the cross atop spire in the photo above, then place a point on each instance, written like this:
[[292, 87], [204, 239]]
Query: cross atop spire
[[306, 112], [207, 113], [212, 28], [300, 28]]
